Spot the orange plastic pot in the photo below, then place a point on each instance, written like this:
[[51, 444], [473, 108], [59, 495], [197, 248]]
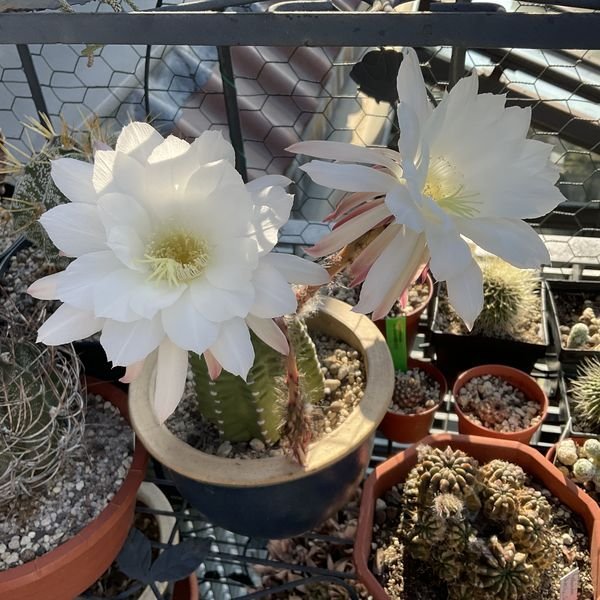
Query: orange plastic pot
[[186, 589], [517, 379], [396, 469], [407, 429], [412, 318], [65, 572]]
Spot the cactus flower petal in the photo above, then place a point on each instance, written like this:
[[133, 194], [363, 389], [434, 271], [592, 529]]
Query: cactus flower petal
[[172, 252], [45, 288], [464, 170], [132, 372], [171, 373], [268, 331]]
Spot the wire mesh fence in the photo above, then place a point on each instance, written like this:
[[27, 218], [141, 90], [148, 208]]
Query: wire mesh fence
[[285, 94]]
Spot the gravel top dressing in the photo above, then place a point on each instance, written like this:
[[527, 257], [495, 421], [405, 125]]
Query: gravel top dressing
[[93, 476]]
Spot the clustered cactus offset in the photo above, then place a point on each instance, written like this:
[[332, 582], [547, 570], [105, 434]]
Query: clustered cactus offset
[[580, 463], [509, 294], [41, 414], [482, 530], [585, 394]]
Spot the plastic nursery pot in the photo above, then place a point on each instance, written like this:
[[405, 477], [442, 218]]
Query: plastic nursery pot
[[457, 352], [395, 470], [581, 290], [412, 318], [407, 429], [65, 572], [519, 380], [274, 497]]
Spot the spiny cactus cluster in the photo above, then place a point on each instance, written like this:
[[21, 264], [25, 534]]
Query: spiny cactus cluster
[[586, 333], [482, 530], [259, 407], [581, 463], [35, 192], [509, 294], [585, 395], [415, 391], [41, 414]]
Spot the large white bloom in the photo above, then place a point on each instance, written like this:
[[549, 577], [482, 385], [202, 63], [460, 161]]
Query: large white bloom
[[172, 251], [463, 170]]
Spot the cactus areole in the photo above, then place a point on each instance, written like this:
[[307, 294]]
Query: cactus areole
[[276, 497]]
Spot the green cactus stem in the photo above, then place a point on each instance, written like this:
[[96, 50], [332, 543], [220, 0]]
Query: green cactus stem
[[578, 336], [260, 407]]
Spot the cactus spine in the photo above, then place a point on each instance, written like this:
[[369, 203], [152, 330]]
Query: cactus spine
[[585, 392], [258, 408], [41, 415], [509, 294]]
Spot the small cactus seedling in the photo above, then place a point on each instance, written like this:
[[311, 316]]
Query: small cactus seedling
[[258, 408], [508, 297], [41, 415], [585, 392], [578, 336]]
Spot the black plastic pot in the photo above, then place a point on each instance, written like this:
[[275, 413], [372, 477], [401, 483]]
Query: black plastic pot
[[456, 353], [569, 357]]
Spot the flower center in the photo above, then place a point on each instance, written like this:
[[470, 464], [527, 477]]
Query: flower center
[[177, 257], [445, 185]]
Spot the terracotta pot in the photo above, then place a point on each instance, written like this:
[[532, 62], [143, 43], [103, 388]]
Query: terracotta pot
[[186, 589], [412, 318], [65, 572], [396, 469], [275, 497], [517, 379], [407, 429]]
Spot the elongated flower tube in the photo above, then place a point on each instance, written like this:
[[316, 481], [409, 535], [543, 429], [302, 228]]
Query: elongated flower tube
[[464, 170], [172, 252]]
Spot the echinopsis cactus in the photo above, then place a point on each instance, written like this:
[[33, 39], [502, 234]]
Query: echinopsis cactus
[[259, 407], [508, 296], [585, 392], [482, 530], [41, 415]]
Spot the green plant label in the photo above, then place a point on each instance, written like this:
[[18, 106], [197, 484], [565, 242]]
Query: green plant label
[[395, 332]]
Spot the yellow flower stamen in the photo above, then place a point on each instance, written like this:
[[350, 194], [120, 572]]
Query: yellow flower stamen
[[177, 257], [444, 185]]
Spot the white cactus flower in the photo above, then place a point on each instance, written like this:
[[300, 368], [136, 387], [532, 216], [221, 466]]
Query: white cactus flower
[[172, 252], [464, 170]]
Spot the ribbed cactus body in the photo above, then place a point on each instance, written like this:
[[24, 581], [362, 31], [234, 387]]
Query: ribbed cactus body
[[257, 408], [41, 416], [585, 391]]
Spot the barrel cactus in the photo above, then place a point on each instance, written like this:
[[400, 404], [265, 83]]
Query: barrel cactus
[[41, 415], [578, 336], [508, 296], [259, 407], [585, 392]]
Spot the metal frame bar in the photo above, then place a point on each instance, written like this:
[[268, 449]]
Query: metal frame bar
[[470, 30]]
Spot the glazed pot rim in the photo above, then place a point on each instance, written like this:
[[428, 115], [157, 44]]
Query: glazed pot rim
[[80, 541], [479, 370], [334, 318]]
